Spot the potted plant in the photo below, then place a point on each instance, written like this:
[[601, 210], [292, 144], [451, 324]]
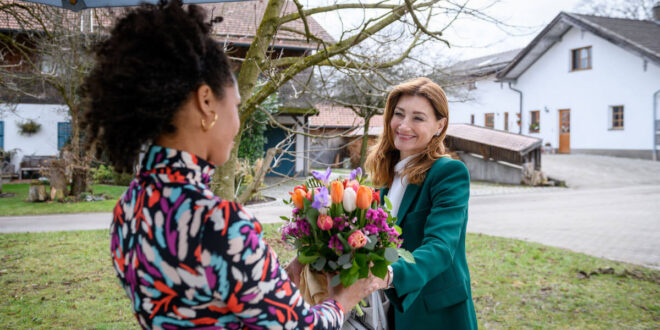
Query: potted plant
[[534, 127], [29, 127]]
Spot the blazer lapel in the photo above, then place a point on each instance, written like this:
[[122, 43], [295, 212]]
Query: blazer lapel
[[383, 193], [408, 197]]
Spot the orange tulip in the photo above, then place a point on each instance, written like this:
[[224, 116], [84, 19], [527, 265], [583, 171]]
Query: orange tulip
[[364, 196], [336, 192], [297, 198]]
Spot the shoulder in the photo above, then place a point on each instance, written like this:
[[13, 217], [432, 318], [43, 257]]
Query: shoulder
[[446, 166]]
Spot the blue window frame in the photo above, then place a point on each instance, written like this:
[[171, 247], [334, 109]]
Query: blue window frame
[[2, 135], [63, 134]]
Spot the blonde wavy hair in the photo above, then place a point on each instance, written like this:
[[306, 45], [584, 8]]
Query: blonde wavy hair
[[383, 156]]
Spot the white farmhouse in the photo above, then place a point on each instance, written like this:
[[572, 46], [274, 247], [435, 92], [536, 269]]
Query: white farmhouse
[[585, 84]]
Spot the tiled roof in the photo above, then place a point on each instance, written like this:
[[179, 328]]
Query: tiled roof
[[240, 23], [639, 33], [241, 20], [338, 116], [484, 65]]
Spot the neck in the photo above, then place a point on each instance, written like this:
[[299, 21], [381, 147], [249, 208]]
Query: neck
[[184, 142], [403, 154]]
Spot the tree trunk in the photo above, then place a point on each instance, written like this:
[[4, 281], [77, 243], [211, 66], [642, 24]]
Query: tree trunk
[[224, 177], [58, 180], [253, 188], [365, 141], [37, 193], [78, 181]]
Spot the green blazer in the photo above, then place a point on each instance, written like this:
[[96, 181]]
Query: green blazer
[[434, 293]]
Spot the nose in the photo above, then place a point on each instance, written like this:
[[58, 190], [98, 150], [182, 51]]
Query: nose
[[404, 123]]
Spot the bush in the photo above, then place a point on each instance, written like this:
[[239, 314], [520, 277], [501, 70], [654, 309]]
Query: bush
[[107, 175], [103, 174]]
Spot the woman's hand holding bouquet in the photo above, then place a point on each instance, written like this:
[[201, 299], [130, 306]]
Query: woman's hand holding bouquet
[[339, 228]]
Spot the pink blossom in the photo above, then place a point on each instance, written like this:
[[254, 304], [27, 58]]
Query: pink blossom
[[357, 239]]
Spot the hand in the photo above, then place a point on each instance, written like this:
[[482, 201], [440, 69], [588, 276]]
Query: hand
[[349, 297], [293, 270]]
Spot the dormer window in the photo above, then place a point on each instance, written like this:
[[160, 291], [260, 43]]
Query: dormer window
[[581, 59]]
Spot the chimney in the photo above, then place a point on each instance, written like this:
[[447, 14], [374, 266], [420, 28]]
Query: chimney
[[656, 11]]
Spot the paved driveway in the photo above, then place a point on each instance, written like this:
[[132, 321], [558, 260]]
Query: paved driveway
[[611, 210]]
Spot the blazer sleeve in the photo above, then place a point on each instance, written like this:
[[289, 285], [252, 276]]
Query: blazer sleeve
[[244, 273], [450, 191]]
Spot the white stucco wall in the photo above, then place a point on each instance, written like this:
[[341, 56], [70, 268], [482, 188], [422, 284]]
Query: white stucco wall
[[42, 143], [488, 97], [617, 77]]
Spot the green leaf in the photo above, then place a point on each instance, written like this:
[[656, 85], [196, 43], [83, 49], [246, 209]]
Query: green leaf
[[307, 259], [398, 229], [335, 280], [362, 264], [373, 239], [347, 277], [379, 268], [298, 244], [388, 203], [284, 218], [332, 264], [312, 216], [391, 254], [343, 241], [319, 263], [344, 259], [375, 257], [406, 255], [307, 255]]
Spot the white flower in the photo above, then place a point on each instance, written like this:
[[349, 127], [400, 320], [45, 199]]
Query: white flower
[[349, 199]]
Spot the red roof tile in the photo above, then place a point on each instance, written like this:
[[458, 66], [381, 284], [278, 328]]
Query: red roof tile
[[338, 116], [240, 22]]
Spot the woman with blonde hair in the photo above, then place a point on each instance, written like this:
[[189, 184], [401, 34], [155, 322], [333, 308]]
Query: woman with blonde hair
[[429, 192]]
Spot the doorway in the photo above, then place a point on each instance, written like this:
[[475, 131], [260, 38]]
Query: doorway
[[565, 131]]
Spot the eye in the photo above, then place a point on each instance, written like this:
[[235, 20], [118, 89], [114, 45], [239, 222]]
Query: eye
[[419, 118], [398, 113]]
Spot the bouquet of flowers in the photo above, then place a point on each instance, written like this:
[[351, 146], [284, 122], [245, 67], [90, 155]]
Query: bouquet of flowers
[[339, 228]]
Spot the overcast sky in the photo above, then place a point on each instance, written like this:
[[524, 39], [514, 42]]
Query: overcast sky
[[471, 38]]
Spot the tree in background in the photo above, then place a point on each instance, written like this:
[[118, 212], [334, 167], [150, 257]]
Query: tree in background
[[410, 18], [633, 9], [47, 56]]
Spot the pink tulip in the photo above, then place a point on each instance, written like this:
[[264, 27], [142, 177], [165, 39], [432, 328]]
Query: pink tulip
[[324, 222], [357, 239]]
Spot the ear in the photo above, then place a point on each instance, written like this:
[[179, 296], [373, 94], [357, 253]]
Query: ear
[[442, 123], [204, 99]]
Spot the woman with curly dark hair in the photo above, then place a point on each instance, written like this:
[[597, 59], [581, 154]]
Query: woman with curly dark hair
[[185, 257]]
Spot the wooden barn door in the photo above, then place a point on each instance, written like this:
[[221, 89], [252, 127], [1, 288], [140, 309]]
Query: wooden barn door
[[565, 131]]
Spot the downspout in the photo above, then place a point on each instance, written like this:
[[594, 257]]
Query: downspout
[[655, 125], [521, 106]]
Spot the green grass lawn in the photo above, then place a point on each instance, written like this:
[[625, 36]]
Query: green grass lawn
[[17, 204], [65, 279]]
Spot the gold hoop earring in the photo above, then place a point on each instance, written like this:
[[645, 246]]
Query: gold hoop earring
[[204, 128]]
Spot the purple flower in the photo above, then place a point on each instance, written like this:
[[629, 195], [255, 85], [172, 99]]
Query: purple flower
[[322, 198], [322, 176], [355, 173], [335, 244]]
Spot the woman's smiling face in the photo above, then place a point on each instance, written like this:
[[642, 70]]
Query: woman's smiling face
[[413, 124]]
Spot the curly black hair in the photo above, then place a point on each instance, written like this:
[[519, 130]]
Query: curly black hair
[[155, 56]]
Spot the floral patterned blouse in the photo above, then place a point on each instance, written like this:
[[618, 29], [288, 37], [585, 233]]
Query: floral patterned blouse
[[189, 259]]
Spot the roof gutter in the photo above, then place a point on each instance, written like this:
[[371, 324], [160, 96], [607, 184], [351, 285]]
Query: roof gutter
[[655, 125], [520, 110]]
